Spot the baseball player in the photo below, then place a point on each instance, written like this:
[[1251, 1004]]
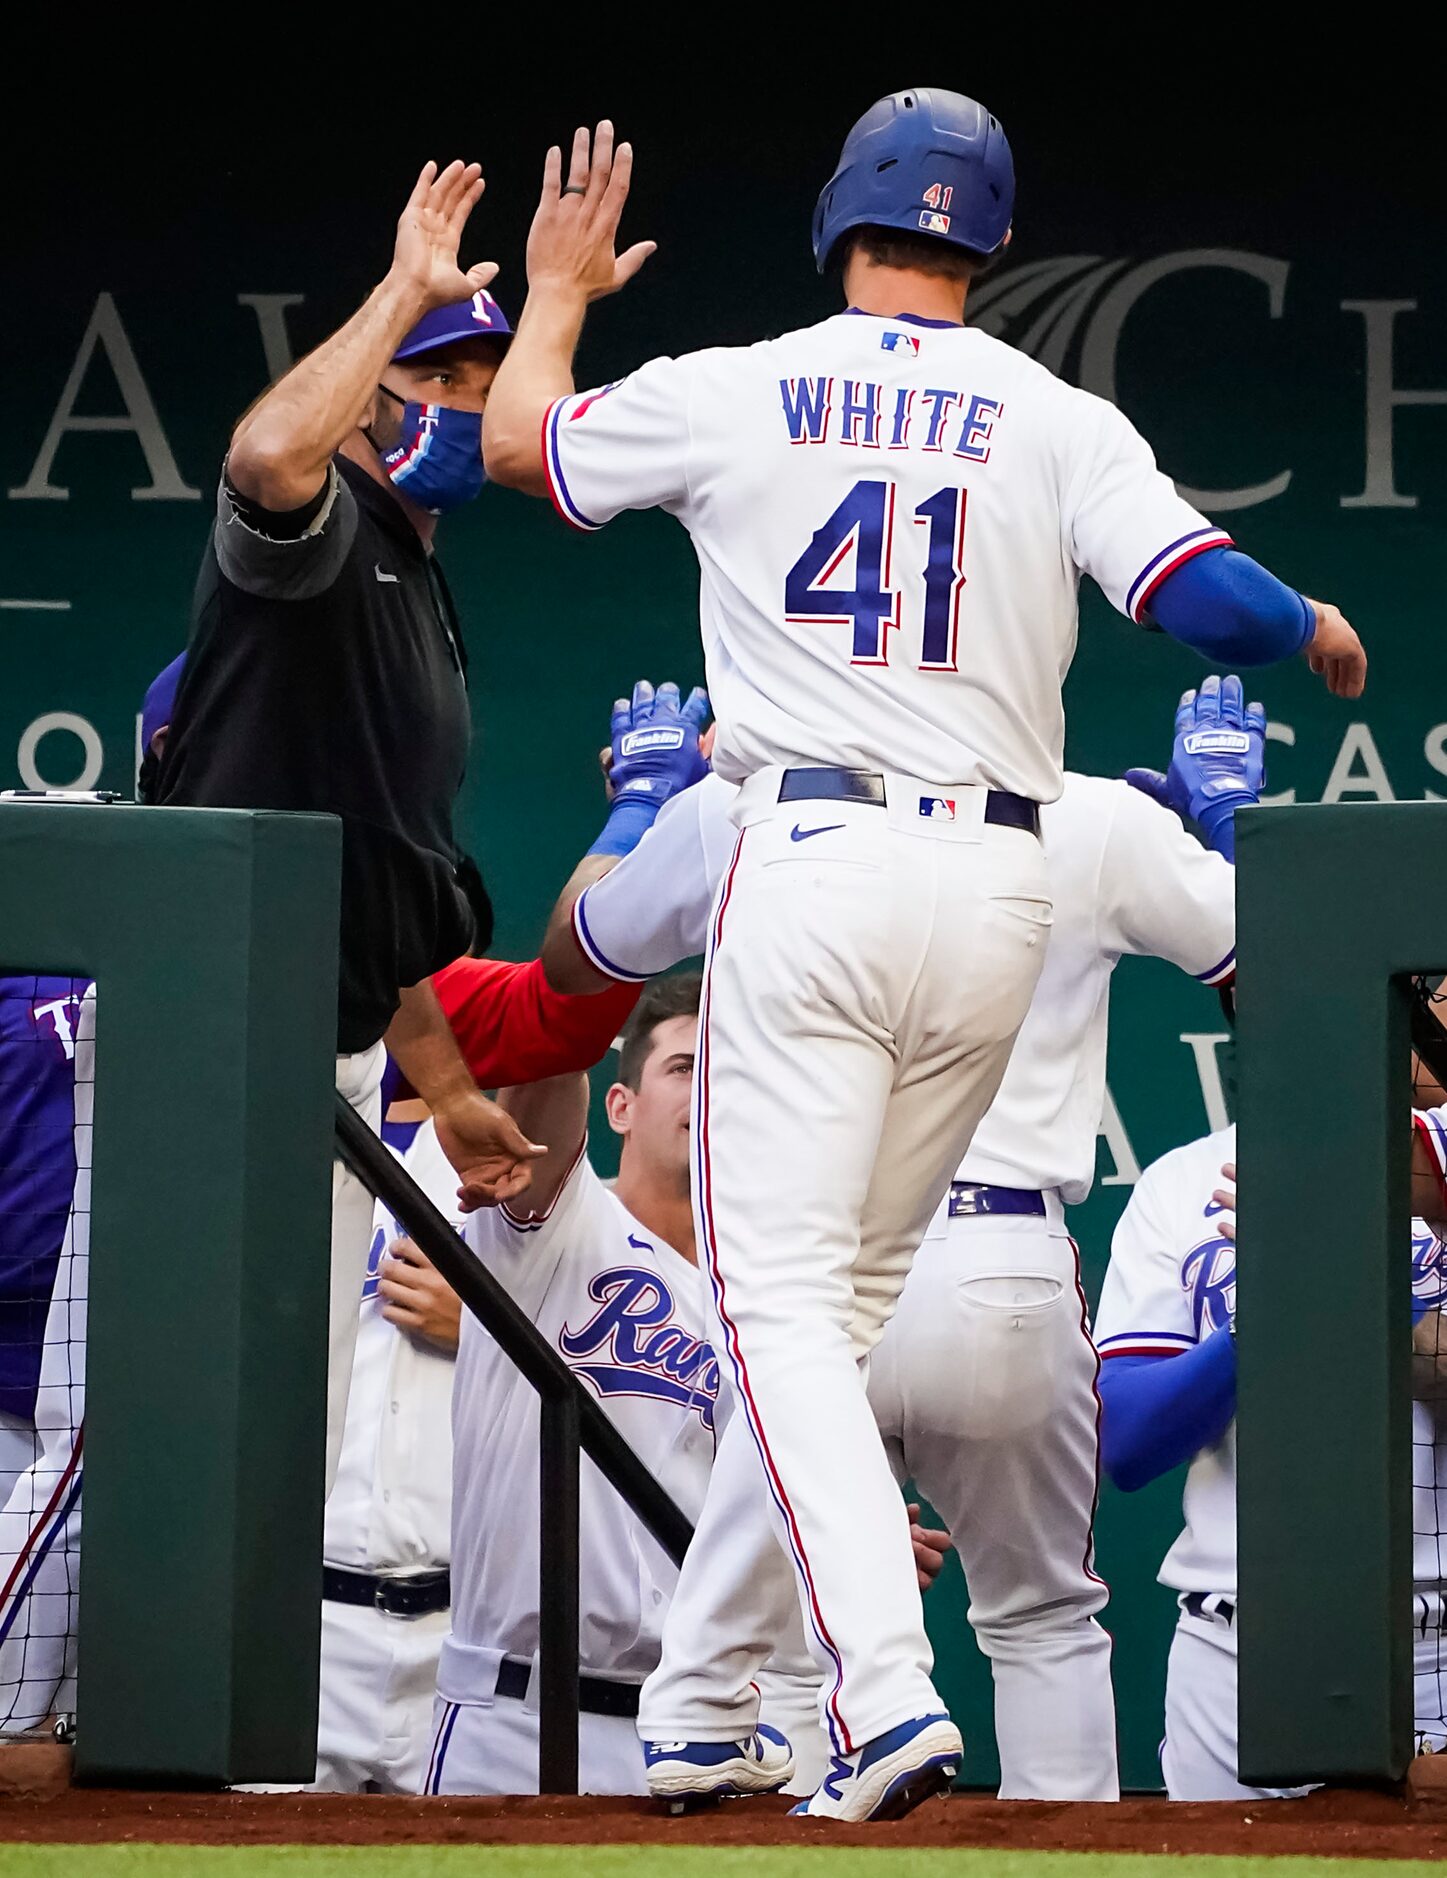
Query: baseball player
[[891, 513], [1166, 1333], [610, 1276], [40, 1522], [984, 1381], [386, 1585]]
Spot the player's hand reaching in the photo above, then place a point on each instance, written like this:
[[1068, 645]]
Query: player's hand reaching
[[1335, 653], [930, 1545], [1218, 761], [574, 233], [490, 1152], [429, 233], [417, 1298], [656, 748]]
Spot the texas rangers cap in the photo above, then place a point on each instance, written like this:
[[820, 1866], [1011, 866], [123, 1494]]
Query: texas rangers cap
[[160, 700], [478, 318]]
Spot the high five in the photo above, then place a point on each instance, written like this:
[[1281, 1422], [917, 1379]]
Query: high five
[[891, 513]]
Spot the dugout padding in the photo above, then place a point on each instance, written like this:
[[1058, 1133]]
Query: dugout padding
[[212, 938], [1336, 906]]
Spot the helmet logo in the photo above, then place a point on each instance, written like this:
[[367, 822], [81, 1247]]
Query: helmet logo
[[934, 223], [937, 196]]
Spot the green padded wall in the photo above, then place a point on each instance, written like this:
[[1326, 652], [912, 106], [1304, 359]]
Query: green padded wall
[[1335, 907], [211, 936]]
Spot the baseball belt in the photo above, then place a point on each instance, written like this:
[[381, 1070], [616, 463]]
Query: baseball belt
[[970, 1199], [596, 1695], [1002, 808], [418, 1594], [1209, 1604]]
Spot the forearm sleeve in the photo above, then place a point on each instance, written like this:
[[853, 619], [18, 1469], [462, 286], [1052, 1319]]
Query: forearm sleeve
[[1158, 1411], [1232, 610]]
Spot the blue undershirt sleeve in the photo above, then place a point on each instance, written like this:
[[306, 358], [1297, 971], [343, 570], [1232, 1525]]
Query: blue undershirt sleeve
[[1231, 610], [1158, 1411]]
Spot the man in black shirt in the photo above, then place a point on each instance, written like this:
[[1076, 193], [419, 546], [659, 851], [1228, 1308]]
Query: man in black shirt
[[326, 672]]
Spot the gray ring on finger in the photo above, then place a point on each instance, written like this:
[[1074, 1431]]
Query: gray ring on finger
[[575, 189]]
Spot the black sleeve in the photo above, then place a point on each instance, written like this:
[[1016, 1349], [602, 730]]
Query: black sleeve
[[292, 555]]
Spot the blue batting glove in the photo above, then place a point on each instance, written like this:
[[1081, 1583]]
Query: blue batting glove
[[1218, 763], [655, 755], [655, 742]]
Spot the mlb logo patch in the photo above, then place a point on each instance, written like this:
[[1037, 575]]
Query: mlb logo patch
[[899, 342], [937, 808], [933, 222]]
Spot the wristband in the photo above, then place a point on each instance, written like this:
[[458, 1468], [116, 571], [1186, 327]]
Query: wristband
[[1217, 821], [629, 820]]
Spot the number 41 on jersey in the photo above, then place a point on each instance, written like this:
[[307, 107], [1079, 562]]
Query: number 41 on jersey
[[864, 522]]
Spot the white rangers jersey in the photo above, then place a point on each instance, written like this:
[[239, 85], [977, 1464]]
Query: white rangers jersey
[[1171, 1283], [1125, 878], [626, 1312], [891, 517], [390, 1509]]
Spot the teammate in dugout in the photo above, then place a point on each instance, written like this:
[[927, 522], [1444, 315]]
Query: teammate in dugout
[[983, 1382], [610, 1276], [386, 1585], [327, 671], [894, 731], [1166, 1329]]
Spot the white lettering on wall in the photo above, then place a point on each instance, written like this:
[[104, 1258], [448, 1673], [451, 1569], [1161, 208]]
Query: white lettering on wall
[[1379, 489], [1203, 1045], [1102, 342], [30, 740], [270, 310], [106, 334], [1358, 745]]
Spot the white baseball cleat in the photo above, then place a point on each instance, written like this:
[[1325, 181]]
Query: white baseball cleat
[[890, 1775], [684, 1772]]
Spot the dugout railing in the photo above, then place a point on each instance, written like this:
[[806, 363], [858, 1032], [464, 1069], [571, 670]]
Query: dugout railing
[[572, 1424]]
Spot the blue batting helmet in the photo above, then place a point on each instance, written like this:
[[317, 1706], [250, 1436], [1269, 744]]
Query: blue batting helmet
[[929, 162]]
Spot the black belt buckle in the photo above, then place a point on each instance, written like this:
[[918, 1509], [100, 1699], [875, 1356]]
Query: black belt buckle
[[419, 1594]]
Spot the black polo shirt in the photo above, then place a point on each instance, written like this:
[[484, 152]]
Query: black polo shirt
[[326, 671]]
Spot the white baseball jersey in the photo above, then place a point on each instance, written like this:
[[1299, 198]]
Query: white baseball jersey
[[626, 1312], [390, 1507], [1125, 878], [891, 517], [1171, 1283]]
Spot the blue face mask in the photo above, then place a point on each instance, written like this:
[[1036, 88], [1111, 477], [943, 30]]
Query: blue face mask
[[438, 461]]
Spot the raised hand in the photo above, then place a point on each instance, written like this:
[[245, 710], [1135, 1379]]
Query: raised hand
[[655, 742], [571, 245], [1218, 761], [429, 233]]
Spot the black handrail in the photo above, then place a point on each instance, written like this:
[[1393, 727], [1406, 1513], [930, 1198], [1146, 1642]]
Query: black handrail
[[571, 1419]]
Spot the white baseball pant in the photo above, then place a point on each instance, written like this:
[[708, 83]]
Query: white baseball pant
[[359, 1079], [867, 971], [1198, 1755], [983, 1386], [378, 1684]]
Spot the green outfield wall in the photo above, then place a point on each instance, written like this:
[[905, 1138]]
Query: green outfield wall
[[1263, 307]]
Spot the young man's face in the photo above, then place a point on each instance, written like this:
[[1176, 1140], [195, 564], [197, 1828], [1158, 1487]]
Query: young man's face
[[654, 1118]]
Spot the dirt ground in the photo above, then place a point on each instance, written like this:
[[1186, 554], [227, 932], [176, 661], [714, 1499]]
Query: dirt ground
[[1343, 1824]]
